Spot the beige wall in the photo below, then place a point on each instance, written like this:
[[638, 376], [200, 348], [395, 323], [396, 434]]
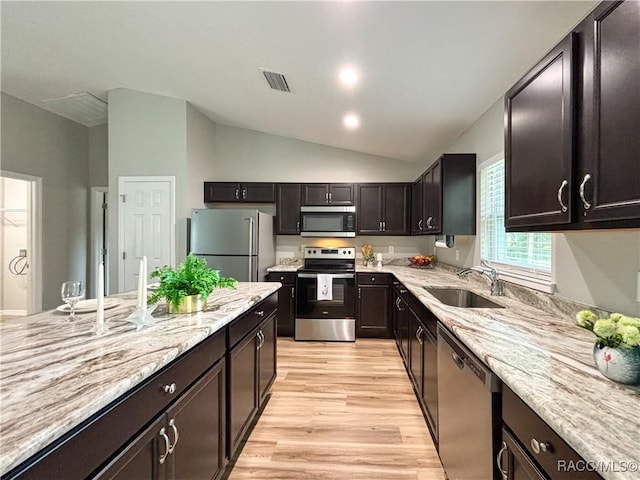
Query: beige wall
[[39, 143]]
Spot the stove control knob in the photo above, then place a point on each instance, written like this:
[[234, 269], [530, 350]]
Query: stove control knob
[[314, 251], [344, 252]]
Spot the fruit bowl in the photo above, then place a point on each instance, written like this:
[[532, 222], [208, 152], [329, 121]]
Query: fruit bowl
[[424, 261]]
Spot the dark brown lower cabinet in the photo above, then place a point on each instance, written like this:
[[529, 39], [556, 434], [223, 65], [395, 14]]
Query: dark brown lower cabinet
[[514, 463], [286, 301], [185, 442], [251, 370], [374, 305]]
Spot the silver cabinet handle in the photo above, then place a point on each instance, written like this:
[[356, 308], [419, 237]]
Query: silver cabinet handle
[[329, 197], [260, 313], [539, 447], [297, 226], [586, 204], [237, 194], [326, 197], [380, 226], [398, 303], [281, 277], [429, 220], [420, 225], [167, 445], [384, 226], [262, 339], [176, 436], [504, 473], [170, 389], [259, 343], [244, 193], [563, 207], [373, 279], [359, 292], [293, 292], [418, 333]]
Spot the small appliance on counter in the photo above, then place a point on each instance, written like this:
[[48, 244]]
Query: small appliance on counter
[[240, 243], [326, 304]]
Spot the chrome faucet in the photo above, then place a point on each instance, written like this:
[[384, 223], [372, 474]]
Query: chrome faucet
[[489, 271]]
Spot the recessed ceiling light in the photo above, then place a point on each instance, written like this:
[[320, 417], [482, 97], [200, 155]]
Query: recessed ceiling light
[[348, 76], [351, 121]]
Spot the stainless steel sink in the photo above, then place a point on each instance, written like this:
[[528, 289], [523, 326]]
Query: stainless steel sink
[[458, 297]]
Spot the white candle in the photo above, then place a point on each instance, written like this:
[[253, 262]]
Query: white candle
[[143, 301], [140, 282], [100, 298]]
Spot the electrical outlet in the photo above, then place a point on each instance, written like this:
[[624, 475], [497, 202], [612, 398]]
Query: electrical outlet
[[392, 249], [22, 252]]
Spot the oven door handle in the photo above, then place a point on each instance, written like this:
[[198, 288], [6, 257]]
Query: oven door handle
[[332, 275]]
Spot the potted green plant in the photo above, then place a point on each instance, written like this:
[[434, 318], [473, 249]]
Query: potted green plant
[[187, 287], [617, 349]]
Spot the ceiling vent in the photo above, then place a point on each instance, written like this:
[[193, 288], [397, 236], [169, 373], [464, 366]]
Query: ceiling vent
[[82, 108], [276, 80]]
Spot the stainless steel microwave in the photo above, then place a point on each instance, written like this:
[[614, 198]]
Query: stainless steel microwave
[[329, 221]]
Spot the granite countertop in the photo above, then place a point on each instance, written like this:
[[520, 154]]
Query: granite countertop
[[285, 268], [547, 361], [55, 374]]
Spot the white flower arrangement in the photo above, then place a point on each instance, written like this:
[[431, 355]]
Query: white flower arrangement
[[615, 331]]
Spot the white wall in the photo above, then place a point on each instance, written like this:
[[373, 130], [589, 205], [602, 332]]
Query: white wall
[[147, 136], [594, 267], [200, 154], [98, 156], [39, 143]]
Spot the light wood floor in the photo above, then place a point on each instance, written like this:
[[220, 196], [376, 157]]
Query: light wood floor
[[340, 411]]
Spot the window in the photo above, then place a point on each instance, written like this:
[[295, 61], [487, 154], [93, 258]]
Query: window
[[524, 258]]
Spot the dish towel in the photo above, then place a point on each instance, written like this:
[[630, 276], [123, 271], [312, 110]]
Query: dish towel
[[325, 287]]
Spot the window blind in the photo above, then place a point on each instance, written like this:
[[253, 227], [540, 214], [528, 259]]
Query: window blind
[[520, 254]]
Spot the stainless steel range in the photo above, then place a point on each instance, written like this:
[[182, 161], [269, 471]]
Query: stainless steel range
[[326, 307]]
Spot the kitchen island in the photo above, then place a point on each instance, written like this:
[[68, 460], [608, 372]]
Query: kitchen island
[[56, 375]]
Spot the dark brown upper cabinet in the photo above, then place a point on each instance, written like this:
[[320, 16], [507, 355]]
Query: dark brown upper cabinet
[[539, 117], [608, 185], [416, 206], [288, 197], [571, 132], [257, 192], [327, 194], [383, 208], [447, 203]]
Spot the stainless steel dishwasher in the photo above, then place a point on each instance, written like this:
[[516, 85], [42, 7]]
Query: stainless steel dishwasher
[[468, 411]]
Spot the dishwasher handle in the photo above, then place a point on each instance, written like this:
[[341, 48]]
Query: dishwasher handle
[[457, 360]]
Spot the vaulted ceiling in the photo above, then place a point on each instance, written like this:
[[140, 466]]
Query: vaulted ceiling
[[427, 70]]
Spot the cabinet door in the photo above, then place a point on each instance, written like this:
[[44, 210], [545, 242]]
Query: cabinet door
[[611, 101], [140, 458], [432, 200], [288, 196], [315, 194], [369, 214], [258, 192], [395, 207], [514, 462], [539, 143], [222, 192], [340, 193], [415, 351], [373, 311], [430, 378], [243, 388], [196, 428], [417, 220], [267, 357]]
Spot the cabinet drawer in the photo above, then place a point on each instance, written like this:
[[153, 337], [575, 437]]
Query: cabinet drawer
[[241, 326], [286, 278], [529, 428], [374, 278]]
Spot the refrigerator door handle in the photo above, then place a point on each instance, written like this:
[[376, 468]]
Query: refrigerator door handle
[[250, 220]]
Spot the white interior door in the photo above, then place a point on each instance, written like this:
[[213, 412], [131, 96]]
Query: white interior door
[[146, 226]]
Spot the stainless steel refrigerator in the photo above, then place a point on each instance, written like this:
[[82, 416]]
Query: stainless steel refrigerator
[[239, 243]]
